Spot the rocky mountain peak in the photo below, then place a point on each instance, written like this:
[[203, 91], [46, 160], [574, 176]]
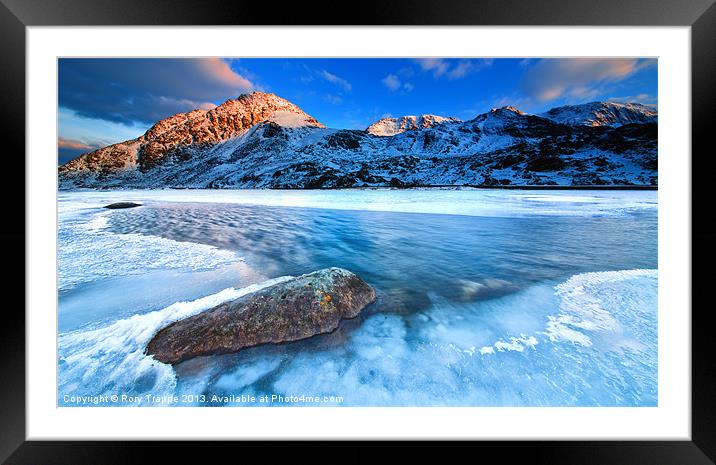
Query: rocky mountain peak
[[393, 126], [195, 128], [507, 109]]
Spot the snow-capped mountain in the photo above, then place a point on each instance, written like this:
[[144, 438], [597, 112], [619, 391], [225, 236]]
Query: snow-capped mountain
[[263, 141], [602, 114], [393, 126], [192, 130]]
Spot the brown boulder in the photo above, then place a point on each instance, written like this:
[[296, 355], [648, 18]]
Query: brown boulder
[[296, 309]]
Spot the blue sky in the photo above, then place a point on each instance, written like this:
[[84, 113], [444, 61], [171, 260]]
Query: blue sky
[[109, 100]]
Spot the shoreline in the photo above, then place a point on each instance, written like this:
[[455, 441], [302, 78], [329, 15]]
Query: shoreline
[[613, 187], [470, 186]]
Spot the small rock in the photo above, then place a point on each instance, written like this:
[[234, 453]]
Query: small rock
[[118, 205], [467, 291], [296, 309], [402, 301]]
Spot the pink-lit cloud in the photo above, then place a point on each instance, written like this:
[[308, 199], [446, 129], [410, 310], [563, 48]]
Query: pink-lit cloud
[[577, 78], [73, 144], [219, 71], [644, 99], [145, 90], [67, 149]]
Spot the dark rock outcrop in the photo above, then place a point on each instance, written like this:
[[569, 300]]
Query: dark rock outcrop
[[296, 309], [118, 205]]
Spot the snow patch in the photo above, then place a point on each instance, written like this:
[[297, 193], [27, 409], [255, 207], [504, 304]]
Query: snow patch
[[518, 344], [290, 119], [585, 308]]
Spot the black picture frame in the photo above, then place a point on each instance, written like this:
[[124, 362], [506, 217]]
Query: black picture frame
[[700, 15]]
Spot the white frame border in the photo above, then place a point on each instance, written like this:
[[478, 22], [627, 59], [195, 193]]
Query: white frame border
[[670, 420]]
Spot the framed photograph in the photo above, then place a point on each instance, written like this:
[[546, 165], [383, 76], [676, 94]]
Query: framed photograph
[[462, 222]]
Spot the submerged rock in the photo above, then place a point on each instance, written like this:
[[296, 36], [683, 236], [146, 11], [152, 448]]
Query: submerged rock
[[402, 301], [466, 291], [118, 205], [296, 309]]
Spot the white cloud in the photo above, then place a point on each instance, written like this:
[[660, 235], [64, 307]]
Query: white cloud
[[392, 82], [334, 99], [452, 69], [460, 70], [438, 66], [406, 72], [338, 81]]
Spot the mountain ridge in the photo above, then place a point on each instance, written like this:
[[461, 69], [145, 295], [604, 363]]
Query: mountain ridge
[[260, 140], [392, 126], [199, 126], [602, 114]]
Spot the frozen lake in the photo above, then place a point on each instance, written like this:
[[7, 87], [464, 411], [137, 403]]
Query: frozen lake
[[486, 297]]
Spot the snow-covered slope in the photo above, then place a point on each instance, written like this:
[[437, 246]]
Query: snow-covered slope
[[602, 114], [197, 128], [501, 147], [393, 126]]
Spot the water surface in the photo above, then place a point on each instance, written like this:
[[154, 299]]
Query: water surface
[[486, 297]]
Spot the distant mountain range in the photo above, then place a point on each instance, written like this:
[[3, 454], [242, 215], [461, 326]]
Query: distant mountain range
[[260, 140], [393, 126]]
